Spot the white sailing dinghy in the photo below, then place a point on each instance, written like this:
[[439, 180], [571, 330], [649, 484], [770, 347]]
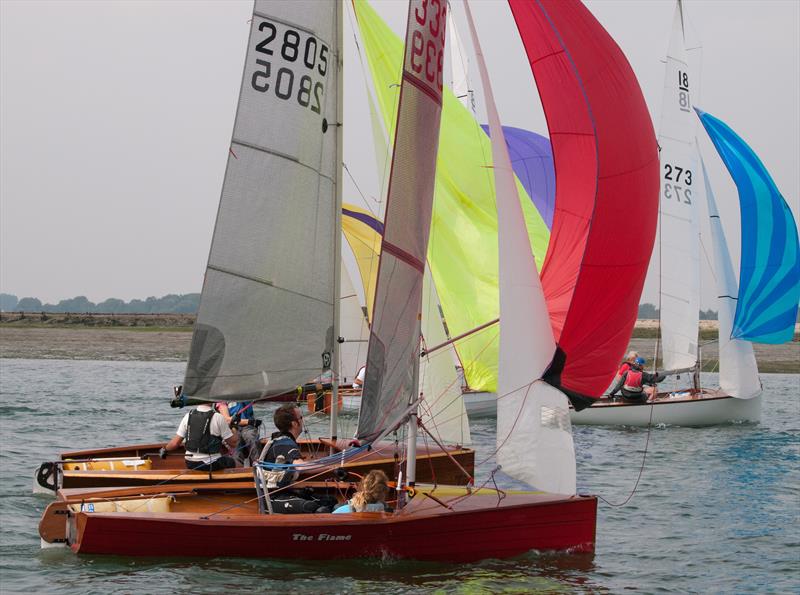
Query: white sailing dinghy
[[770, 305]]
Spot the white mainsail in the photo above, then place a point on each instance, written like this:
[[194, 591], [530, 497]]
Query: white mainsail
[[534, 433], [738, 370], [266, 317], [392, 371], [678, 218]]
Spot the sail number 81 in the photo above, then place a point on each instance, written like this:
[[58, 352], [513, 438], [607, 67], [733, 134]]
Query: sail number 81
[[313, 55]]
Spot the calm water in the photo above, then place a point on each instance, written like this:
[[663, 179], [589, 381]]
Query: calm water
[[716, 510]]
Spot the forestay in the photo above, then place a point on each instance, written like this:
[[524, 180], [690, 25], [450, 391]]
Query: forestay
[[393, 356], [678, 239], [265, 322], [738, 370], [534, 434]]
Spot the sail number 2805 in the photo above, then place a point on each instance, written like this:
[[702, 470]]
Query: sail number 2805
[[677, 183], [291, 65]]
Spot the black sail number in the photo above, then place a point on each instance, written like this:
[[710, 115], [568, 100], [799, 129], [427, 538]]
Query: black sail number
[[260, 77], [677, 174], [296, 72], [677, 183], [262, 46]]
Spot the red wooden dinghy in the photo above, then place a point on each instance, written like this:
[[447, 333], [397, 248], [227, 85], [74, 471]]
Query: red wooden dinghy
[[438, 524]]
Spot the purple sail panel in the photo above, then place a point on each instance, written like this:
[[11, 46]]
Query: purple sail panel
[[532, 160]]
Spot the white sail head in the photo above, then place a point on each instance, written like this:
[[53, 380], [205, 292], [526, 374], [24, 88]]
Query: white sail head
[[679, 252]]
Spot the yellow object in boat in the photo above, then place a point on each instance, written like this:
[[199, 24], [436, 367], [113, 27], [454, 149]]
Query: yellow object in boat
[[133, 464]]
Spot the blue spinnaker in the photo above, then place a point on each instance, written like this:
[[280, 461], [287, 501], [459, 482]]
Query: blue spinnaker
[[769, 273], [532, 161]]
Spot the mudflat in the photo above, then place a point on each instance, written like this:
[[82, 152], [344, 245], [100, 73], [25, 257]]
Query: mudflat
[[164, 337]]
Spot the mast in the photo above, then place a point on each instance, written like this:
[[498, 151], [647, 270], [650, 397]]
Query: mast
[[337, 236], [411, 460]]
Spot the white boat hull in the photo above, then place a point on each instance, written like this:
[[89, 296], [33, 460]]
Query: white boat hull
[[707, 409]]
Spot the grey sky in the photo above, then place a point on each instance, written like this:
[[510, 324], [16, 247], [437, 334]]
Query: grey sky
[[115, 119]]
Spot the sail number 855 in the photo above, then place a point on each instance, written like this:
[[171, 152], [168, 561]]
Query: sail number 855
[[677, 183], [312, 54]]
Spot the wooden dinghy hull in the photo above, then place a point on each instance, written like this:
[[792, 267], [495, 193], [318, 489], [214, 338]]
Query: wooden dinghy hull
[[476, 403], [473, 528], [434, 465], [686, 408]]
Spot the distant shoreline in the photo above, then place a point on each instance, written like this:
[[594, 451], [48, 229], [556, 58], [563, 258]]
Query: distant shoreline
[[166, 337]]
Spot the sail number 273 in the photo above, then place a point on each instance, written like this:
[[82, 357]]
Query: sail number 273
[[677, 183], [290, 64]]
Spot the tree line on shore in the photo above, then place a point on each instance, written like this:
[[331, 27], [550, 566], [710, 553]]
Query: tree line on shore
[[176, 304], [168, 304]]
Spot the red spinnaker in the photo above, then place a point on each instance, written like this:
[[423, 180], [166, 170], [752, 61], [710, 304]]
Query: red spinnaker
[[606, 163]]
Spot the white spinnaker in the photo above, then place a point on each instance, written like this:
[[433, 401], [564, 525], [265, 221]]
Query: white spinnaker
[[353, 327], [678, 215], [738, 370], [442, 410], [266, 316], [534, 433]]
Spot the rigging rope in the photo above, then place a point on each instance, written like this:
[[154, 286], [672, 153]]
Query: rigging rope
[[641, 469]]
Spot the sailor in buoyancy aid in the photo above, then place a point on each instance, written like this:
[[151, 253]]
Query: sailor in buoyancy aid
[[283, 449], [632, 381], [240, 414], [204, 431]]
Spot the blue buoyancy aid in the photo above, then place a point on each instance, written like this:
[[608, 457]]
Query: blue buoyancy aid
[[235, 407]]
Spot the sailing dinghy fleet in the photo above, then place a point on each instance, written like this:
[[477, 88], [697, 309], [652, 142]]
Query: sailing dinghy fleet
[[264, 328]]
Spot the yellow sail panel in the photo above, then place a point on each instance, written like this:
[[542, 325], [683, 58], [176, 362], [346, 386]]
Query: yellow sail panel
[[462, 250], [363, 232]]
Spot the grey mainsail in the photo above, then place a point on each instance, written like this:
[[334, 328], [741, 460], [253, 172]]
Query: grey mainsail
[[390, 385], [266, 317]]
